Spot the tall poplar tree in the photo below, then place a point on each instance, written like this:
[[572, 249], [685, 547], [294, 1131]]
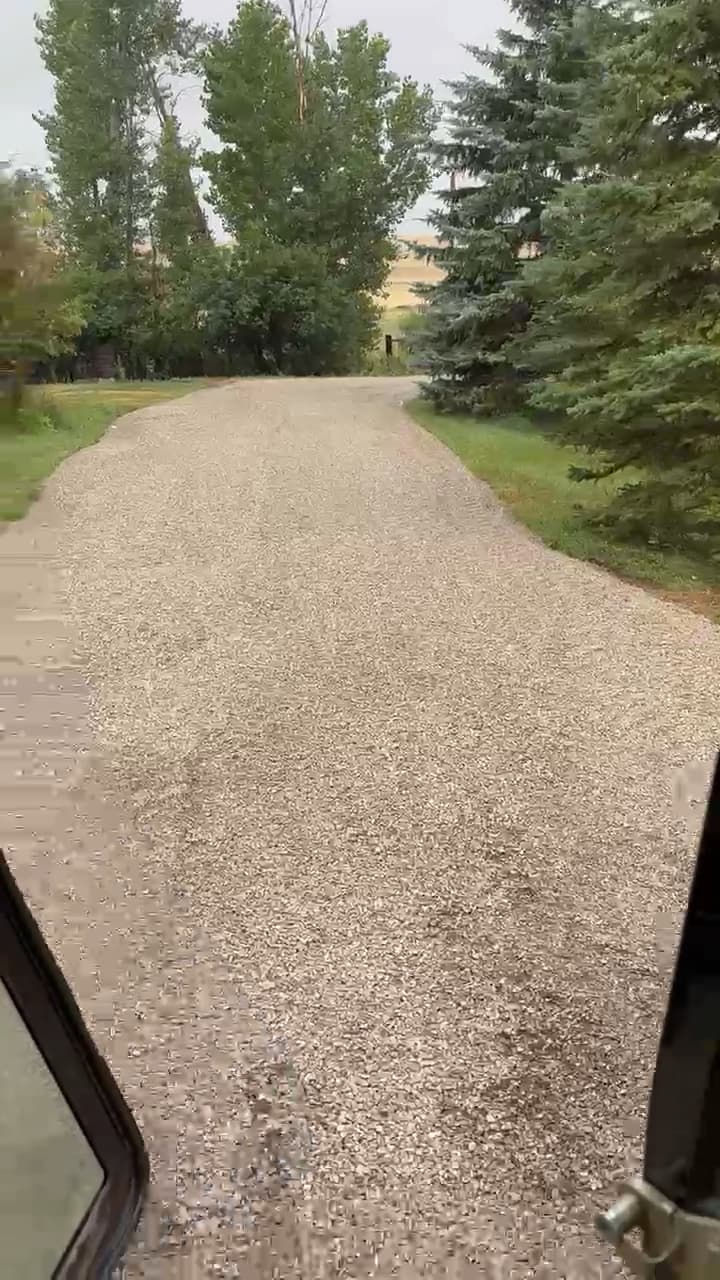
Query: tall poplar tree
[[110, 64]]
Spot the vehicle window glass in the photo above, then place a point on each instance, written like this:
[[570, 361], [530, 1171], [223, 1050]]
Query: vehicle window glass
[[49, 1174]]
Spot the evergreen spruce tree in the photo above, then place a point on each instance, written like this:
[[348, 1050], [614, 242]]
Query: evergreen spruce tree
[[509, 146], [627, 323]]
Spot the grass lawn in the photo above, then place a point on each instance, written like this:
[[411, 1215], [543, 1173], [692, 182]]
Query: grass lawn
[[529, 473], [61, 418]]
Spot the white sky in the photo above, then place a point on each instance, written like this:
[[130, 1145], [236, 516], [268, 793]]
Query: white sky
[[427, 39]]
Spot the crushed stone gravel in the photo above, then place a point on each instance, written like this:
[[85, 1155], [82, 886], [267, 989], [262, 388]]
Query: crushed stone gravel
[[353, 815]]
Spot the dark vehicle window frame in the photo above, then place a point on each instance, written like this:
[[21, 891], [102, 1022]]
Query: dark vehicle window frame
[[51, 1015]]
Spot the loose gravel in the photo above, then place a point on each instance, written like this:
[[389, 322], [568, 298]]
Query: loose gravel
[[354, 820]]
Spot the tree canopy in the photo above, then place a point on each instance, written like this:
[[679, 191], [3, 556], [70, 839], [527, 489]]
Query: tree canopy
[[321, 149], [332, 168]]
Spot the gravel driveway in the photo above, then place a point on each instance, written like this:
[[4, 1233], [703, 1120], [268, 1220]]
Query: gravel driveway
[[352, 813]]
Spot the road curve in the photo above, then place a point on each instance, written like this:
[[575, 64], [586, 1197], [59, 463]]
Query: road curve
[[352, 813]]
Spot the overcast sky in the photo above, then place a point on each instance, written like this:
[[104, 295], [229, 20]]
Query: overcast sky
[[427, 39]]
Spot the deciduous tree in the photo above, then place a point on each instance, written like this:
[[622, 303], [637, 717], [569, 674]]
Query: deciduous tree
[[178, 221], [40, 311], [111, 64], [335, 172]]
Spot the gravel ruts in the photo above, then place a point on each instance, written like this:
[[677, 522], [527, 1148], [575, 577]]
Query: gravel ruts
[[352, 812]]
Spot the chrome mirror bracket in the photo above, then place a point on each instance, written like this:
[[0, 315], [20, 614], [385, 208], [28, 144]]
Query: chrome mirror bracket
[[672, 1244]]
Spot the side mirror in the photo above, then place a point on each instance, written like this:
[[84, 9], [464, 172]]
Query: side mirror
[[675, 1206], [73, 1167]]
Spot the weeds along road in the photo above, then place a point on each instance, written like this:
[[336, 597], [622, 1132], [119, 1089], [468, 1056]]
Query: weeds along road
[[350, 811]]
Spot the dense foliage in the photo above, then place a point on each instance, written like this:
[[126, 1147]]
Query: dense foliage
[[507, 151], [334, 174], [40, 313], [596, 145], [627, 326], [321, 149], [315, 168]]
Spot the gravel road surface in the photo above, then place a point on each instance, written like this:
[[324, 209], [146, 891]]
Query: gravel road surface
[[362, 825]]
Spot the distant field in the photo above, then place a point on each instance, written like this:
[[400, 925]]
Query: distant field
[[407, 271], [400, 301], [60, 419]]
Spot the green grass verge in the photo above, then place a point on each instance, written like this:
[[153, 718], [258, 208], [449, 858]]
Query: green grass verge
[[529, 473], [57, 420]]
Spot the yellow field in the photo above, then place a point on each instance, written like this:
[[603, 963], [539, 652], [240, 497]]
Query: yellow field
[[409, 270]]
